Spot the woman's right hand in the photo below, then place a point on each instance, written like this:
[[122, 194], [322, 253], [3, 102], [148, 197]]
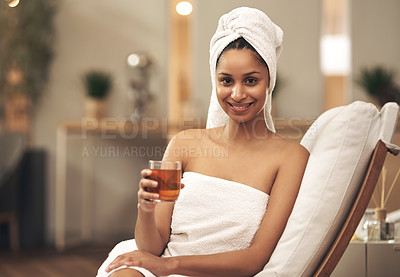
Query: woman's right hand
[[146, 198]]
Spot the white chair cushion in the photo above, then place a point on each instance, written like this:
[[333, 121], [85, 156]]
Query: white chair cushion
[[340, 143]]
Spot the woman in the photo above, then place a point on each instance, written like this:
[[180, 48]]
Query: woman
[[220, 225]]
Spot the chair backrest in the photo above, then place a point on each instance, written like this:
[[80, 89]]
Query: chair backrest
[[12, 147], [341, 142], [356, 212]]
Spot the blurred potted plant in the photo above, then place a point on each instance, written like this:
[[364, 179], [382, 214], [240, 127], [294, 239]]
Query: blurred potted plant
[[379, 83], [26, 51], [98, 86]]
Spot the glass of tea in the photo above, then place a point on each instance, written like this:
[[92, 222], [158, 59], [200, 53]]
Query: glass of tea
[[168, 175]]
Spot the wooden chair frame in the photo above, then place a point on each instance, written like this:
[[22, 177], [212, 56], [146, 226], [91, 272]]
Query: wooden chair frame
[[356, 212]]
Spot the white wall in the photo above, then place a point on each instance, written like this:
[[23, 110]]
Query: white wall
[[375, 37], [99, 34], [301, 93]]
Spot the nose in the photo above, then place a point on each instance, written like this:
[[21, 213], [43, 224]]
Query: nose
[[238, 93]]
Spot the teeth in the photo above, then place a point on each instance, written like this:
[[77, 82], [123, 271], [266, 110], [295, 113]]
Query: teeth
[[241, 107]]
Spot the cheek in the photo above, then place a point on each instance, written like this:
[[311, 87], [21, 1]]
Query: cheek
[[222, 92], [263, 95], [258, 92]]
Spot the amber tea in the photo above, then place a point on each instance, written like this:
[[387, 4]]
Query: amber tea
[[168, 176]]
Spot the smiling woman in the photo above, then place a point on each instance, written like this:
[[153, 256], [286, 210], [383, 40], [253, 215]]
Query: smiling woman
[[242, 81], [252, 188]]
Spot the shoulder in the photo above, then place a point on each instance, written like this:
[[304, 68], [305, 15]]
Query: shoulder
[[295, 149], [289, 147], [183, 142], [289, 152], [191, 144], [187, 137], [292, 162], [294, 157], [196, 136]]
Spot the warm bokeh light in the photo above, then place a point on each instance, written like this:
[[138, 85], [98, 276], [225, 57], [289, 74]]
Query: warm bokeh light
[[184, 8], [14, 77], [13, 3], [133, 60], [335, 51], [140, 60]]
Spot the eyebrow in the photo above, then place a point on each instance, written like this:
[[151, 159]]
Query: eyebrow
[[253, 72], [246, 74]]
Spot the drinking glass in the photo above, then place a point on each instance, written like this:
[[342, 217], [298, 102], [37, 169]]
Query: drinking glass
[[168, 175]]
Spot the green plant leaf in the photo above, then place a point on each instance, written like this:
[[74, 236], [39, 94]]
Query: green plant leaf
[[97, 83], [375, 79]]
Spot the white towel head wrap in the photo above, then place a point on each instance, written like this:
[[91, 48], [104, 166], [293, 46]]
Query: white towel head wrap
[[265, 37]]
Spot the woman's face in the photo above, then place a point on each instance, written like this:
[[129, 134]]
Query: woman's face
[[241, 82]]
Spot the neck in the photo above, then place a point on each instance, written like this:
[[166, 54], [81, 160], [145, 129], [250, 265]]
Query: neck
[[246, 132]]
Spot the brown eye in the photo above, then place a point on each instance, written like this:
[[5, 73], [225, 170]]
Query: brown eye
[[226, 81], [251, 81]]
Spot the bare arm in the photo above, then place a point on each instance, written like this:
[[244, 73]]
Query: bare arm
[[153, 223]]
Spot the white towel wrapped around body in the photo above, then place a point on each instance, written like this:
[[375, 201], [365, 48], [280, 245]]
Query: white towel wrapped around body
[[265, 37], [214, 215], [211, 215]]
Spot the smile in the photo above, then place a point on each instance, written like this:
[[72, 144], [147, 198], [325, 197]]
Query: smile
[[240, 107]]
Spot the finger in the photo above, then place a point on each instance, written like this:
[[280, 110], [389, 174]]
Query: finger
[[144, 195], [119, 261], [182, 185], [147, 183], [145, 173]]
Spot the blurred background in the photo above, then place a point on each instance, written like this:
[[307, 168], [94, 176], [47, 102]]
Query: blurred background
[[97, 88]]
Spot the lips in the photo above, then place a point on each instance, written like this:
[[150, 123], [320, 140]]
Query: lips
[[240, 107]]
